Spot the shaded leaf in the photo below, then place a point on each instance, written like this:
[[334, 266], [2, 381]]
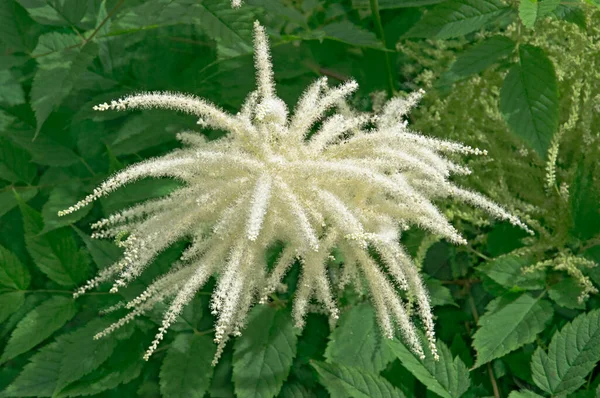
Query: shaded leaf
[[13, 273], [60, 199], [103, 252], [507, 271], [529, 99], [508, 324], [38, 325], [11, 92], [347, 32], [15, 163], [566, 293], [9, 303], [572, 354]]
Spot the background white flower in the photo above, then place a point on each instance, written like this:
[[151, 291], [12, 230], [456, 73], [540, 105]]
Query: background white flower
[[325, 177]]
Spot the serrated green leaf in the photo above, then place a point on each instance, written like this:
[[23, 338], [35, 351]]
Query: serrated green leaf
[[13, 273], [263, 355], [137, 192], [82, 354], [344, 381], [529, 98], [357, 341], [9, 303], [11, 92], [60, 199], [566, 293], [391, 4], [55, 253], [478, 58], [45, 151], [349, 33], [39, 376], [11, 32], [8, 200], [528, 12], [572, 354], [455, 18], [547, 7], [294, 390], [103, 252], [509, 323], [61, 61], [15, 163], [524, 394], [55, 12], [38, 325], [448, 377], [507, 271], [186, 370], [438, 293]]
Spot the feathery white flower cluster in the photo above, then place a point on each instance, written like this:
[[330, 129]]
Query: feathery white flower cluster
[[325, 177]]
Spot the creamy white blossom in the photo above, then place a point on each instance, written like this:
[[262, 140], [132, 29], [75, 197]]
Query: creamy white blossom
[[323, 177]]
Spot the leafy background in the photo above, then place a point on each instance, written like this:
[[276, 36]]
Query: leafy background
[[518, 78]]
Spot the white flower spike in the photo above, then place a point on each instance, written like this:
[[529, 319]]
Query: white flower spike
[[325, 177]]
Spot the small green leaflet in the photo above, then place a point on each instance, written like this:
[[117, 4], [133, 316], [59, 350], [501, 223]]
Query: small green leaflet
[[344, 381], [9, 303], [507, 271], [38, 325], [572, 354], [528, 12], [15, 163], [456, 18], [358, 342], [566, 294], [13, 274], [186, 370], [55, 12], [263, 355], [61, 61], [347, 32], [61, 198], [529, 99], [448, 377], [478, 58], [524, 394], [509, 323]]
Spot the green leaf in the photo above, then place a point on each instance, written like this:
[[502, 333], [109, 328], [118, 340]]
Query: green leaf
[[566, 293], [509, 323], [263, 355], [529, 99], [572, 354], [15, 163], [45, 151], [60, 199], [13, 273], [82, 354], [507, 271], [103, 252], [524, 394], [547, 7], [391, 4], [61, 61], [138, 192], [344, 381], [478, 58], [39, 376], [11, 32], [438, 293], [56, 253], [455, 18], [11, 92], [358, 342], [8, 200], [294, 390], [349, 33], [55, 12], [38, 325], [528, 12], [10, 303], [186, 370], [448, 377]]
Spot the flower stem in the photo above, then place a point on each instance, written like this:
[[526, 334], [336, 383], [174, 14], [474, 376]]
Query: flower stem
[[388, 63]]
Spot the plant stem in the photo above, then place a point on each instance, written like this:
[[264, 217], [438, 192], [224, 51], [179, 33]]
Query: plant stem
[[388, 63]]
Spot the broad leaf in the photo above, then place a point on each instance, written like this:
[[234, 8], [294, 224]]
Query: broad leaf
[[566, 293], [61, 61], [186, 370], [11, 92], [448, 377], [9, 303], [103, 252], [528, 12], [349, 33], [390, 4], [455, 18], [13, 273], [358, 342], [507, 271], [15, 163], [60, 199], [572, 354], [55, 12], [39, 376], [38, 325], [263, 355], [55, 253], [529, 98], [346, 381], [524, 394], [508, 324]]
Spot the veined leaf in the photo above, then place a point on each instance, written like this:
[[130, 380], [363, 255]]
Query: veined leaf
[[55, 253], [263, 355], [13, 273], [347, 32], [529, 98], [15, 163], [524, 394], [566, 294], [455, 18], [55, 12], [478, 58], [572, 354], [38, 325], [61, 61], [9, 303], [507, 271], [103, 252], [508, 324], [61, 198], [186, 370], [528, 12], [357, 341], [344, 381], [11, 92], [448, 377]]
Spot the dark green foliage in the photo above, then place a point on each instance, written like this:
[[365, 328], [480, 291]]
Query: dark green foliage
[[501, 331]]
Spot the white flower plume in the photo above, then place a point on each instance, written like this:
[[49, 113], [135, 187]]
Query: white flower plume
[[321, 178]]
